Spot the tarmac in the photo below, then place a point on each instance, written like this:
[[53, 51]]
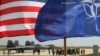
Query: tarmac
[[29, 53], [42, 53]]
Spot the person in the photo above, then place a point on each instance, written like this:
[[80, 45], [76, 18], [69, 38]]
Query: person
[[38, 51], [49, 50], [83, 52], [20, 50], [77, 51], [73, 51], [53, 52], [57, 52], [34, 50], [69, 51]]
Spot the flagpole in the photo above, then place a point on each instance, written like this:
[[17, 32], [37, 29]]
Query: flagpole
[[65, 47]]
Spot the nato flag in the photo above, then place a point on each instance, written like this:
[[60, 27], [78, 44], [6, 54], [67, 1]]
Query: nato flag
[[68, 18]]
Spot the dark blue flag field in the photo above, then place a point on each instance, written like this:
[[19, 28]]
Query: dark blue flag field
[[68, 18]]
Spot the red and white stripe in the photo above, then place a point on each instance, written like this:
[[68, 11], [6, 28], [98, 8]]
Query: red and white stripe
[[18, 17]]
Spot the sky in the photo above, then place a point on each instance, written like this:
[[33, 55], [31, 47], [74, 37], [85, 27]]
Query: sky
[[78, 41]]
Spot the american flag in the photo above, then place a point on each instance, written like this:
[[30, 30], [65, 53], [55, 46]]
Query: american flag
[[18, 17]]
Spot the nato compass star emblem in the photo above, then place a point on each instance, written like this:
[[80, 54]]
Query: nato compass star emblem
[[92, 5], [91, 8]]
